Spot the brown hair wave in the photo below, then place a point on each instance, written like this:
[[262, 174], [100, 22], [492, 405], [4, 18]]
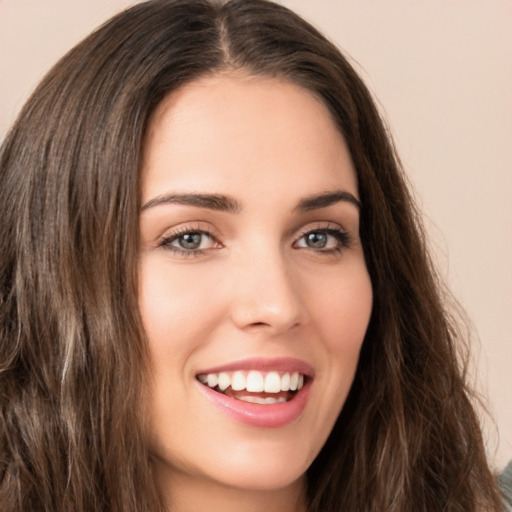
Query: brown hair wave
[[73, 356]]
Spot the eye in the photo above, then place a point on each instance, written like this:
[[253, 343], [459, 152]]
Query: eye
[[324, 239], [189, 242], [316, 240]]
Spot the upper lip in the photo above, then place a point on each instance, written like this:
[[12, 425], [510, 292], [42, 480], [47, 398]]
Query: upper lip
[[281, 364]]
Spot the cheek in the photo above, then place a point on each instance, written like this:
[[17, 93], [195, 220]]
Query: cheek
[[342, 310], [341, 316], [175, 305]]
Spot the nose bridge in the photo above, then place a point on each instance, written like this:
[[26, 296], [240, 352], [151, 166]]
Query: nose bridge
[[267, 293]]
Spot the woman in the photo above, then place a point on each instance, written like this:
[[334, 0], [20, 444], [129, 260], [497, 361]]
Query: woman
[[215, 289]]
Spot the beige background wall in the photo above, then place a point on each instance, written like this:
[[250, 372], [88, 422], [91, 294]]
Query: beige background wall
[[442, 71]]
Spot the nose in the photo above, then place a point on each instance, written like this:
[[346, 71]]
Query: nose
[[267, 294]]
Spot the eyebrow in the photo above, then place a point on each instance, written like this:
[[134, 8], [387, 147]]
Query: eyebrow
[[327, 199], [228, 204], [211, 201]]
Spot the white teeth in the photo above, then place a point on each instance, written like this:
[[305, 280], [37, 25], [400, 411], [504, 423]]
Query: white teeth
[[238, 381], [294, 381], [254, 381], [270, 400], [285, 382], [253, 399], [212, 380], [272, 383], [262, 401], [224, 381]]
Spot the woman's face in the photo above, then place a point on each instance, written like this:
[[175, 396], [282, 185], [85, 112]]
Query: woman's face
[[252, 281]]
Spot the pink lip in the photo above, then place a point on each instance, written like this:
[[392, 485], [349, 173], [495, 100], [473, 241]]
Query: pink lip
[[268, 415], [282, 364], [256, 415]]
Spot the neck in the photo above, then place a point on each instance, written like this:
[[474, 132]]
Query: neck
[[185, 493]]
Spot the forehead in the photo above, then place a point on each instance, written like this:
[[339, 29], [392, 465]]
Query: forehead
[[244, 131]]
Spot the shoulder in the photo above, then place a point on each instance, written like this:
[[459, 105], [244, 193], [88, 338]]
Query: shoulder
[[505, 483]]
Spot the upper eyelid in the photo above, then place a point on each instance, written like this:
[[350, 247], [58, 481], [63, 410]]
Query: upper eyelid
[[324, 229], [177, 234], [319, 226], [204, 227], [199, 226], [184, 228]]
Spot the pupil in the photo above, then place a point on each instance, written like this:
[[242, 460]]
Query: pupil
[[317, 240], [190, 241]]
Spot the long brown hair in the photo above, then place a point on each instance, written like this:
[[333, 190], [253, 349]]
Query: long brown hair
[[72, 350]]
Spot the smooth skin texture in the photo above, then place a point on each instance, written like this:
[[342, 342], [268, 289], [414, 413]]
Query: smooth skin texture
[[260, 277]]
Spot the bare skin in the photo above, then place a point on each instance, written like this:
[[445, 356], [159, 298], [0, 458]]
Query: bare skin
[[251, 261]]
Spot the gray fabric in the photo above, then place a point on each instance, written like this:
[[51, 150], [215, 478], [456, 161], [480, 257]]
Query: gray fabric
[[505, 482]]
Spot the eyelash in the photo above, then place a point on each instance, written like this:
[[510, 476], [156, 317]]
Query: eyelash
[[342, 237]]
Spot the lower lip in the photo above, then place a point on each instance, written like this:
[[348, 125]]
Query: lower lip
[[261, 415]]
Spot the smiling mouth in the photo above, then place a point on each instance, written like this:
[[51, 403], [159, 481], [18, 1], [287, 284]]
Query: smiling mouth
[[254, 386]]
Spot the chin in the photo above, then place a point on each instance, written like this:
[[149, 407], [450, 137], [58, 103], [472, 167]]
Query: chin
[[254, 465], [269, 474]]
